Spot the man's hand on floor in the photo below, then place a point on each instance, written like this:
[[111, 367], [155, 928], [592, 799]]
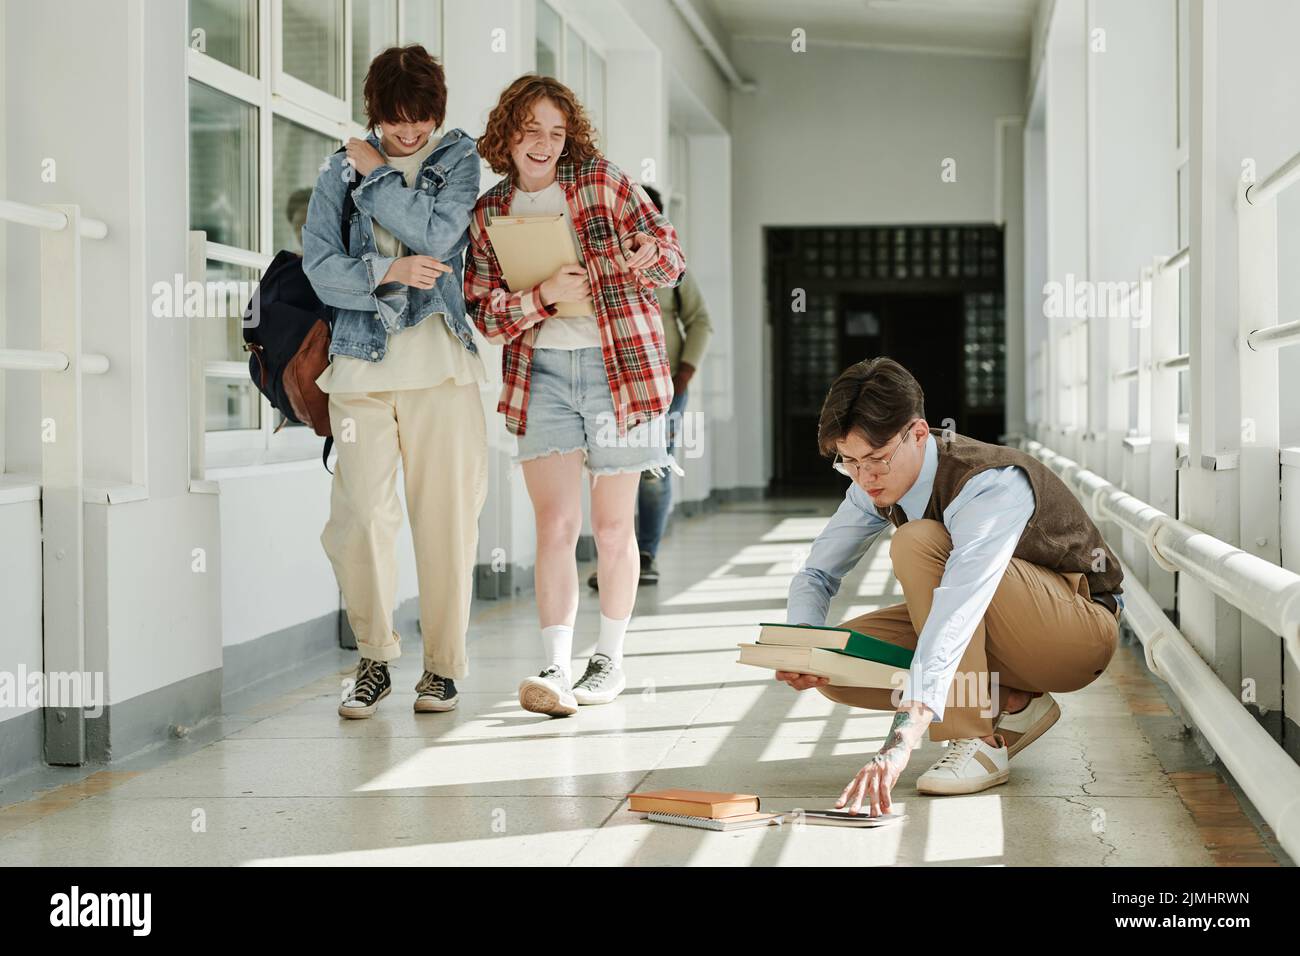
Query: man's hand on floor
[[875, 782]]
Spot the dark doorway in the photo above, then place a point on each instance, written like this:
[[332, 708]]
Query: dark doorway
[[929, 297]]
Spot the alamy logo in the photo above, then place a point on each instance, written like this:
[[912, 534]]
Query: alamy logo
[[102, 909], [33, 689]]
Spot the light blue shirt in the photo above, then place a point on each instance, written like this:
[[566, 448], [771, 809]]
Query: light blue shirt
[[985, 521]]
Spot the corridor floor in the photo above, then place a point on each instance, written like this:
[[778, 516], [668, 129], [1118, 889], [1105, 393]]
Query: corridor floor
[[284, 780]]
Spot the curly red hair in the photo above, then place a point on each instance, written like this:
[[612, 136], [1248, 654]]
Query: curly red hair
[[513, 109]]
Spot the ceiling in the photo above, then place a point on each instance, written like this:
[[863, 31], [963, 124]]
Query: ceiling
[[971, 27]]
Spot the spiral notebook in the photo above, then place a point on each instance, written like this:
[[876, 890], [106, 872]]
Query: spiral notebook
[[743, 822]]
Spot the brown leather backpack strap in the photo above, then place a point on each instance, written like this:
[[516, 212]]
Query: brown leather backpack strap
[[310, 405]]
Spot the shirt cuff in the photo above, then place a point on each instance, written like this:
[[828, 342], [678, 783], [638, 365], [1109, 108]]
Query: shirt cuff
[[917, 688]]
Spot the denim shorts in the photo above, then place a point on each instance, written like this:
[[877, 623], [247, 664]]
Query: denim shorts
[[570, 408]]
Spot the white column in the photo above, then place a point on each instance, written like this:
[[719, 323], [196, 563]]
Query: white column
[[62, 518]]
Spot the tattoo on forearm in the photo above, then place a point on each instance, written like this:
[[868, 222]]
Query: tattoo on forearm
[[902, 721]]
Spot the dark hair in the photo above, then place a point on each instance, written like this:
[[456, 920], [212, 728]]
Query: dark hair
[[654, 197], [405, 85], [298, 199], [512, 111], [877, 396]]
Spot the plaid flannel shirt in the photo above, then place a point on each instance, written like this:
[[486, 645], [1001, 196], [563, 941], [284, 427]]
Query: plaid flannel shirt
[[606, 208]]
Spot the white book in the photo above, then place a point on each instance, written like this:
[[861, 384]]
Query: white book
[[844, 670]]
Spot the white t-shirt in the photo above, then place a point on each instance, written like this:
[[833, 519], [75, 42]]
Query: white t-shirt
[[558, 331], [419, 356]]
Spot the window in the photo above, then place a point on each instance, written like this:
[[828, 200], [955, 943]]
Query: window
[[1183, 173], [260, 125], [226, 30], [575, 64], [422, 24], [223, 167], [548, 40], [374, 29], [562, 52], [596, 88], [312, 43], [298, 152]]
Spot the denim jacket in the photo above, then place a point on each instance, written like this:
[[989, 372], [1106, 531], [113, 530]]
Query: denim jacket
[[431, 219]]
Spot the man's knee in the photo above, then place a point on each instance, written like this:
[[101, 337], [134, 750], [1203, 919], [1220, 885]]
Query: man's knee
[[919, 536]]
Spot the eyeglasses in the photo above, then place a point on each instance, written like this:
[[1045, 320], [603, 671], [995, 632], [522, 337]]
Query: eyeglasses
[[874, 466]]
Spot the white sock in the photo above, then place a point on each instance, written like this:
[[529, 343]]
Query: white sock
[[610, 642], [557, 645]]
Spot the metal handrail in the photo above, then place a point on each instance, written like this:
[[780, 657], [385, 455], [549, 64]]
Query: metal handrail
[[1179, 362], [1282, 177], [34, 360], [1178, 260], [1269, 776], [235, 256], [35, 216], [1266, 592], [1274, 337]]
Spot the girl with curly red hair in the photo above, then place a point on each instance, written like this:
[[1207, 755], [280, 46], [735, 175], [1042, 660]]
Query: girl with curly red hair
[[578, 390]]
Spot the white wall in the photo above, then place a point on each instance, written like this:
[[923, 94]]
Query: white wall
[[846, 136]]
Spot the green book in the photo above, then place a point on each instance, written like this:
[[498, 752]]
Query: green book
[[842, 640]]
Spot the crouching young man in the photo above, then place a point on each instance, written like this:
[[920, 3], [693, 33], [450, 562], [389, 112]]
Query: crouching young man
[[1009, 591]]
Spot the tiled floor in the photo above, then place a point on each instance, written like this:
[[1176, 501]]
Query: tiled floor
[[287, 781]]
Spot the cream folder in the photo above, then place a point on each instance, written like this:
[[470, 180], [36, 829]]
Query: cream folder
[[531, 248]]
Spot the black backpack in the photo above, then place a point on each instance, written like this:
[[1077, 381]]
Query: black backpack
[[288, 341]]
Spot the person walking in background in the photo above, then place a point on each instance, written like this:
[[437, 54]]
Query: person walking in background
[[687, 330], [404, 374], [580, 390]]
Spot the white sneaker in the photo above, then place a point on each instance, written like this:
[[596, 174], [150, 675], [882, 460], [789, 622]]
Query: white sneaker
[[970, 765], [1029, 724], [601, 682], [548, 693]]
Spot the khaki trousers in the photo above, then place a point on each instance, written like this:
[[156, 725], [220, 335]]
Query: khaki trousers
[[1041, 632], [439, 435]]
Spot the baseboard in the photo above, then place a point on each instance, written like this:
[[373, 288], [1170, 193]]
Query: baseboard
[[21, 743], [146, 719], [264, 658]]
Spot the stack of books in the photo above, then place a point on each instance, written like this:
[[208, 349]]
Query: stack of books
[[702, 808], [847, 658]]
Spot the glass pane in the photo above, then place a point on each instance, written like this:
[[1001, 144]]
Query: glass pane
[[226, 30], [575, 57], [374, 29], [227, 292], [1184, 72], [223, 167], [596, 90], [422, 23], [548, 40], [232, 404], [313, 43], [299, 153]]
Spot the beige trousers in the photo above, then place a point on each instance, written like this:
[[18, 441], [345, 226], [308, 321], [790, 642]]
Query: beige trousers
[[439, 436], [1041, 632]]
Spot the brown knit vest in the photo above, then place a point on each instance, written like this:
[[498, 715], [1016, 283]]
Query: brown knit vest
[[1060, 536]]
